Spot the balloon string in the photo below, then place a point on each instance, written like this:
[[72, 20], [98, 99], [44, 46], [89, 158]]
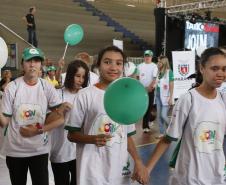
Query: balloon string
[[65, 50]]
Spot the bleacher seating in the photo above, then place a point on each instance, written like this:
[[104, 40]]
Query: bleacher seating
[[52, 17], [116, 25]]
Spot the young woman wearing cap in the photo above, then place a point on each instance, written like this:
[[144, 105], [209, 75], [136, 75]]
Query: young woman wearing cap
[[24, 106], [102, 144], [63, 152], [199, 118]]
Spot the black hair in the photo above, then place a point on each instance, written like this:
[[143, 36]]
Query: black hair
[[72, 70], [208, 53], [31, 9], [110, 48], [205, 56]]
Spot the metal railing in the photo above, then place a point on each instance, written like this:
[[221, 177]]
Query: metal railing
[[14, 33], [194, 6]]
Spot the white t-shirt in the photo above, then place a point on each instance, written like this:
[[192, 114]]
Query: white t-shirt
[[62, 150], [201, 158], [222, 88], [27, 104], [106, 165], [94, 78], [147, 73]]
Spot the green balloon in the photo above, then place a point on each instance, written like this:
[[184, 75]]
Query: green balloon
[[73, 34], [126, 101]]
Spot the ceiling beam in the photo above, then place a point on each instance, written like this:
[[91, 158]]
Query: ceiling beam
[[191, 7]]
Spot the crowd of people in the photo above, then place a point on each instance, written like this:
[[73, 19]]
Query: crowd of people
[[56, 116]]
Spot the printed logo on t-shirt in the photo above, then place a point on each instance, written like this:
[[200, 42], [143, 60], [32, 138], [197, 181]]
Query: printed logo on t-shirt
[[29, 114], [104, 125], [126, 169], [207, 138]]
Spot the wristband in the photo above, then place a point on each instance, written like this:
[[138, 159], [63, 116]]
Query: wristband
[[40, 128]]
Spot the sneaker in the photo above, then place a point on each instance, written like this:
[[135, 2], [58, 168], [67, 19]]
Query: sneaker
[[151, 123], [146, 130]]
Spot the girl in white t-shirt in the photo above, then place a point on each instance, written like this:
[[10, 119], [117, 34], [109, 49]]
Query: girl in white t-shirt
[[102, 144], [199, 119], [24, 107], [63, 152]]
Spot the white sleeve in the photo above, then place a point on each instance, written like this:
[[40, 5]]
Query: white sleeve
[[8, 99], [155, 71], [138, 69], [131, 130], [77, 113], [224, 100], [179, 117], [52, 96]]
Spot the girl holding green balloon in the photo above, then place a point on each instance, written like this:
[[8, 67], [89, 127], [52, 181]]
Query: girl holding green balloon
[[102, 144]]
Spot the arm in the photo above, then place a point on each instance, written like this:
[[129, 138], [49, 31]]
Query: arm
[[140, 173], [98, 140], [4, 121], [6, 83], [151, 87], [27, 21], [55, 119], [60, 69], [161, 147]]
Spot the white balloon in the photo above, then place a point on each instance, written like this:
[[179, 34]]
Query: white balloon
[[130, 68], [3, 52], [199, 50]]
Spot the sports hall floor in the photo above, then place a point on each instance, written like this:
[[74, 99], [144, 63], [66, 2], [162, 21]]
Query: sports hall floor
[[145, 144]]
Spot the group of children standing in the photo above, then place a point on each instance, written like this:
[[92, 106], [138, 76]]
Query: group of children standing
[[31, 107]]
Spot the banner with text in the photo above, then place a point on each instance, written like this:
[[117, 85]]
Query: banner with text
[[201, 34], [183, 67]]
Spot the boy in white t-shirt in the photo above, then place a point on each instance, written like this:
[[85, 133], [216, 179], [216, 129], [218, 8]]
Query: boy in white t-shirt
[[147, 76]]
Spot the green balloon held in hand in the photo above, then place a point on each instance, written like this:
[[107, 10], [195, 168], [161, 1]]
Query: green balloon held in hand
[[73, 34], [126, 101]]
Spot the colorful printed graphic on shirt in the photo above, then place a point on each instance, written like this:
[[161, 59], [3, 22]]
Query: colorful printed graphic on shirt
[[29, 114], [207, 138], [104, 125]]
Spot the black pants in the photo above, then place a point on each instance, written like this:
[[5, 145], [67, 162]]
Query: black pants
[[37, 165], [64, 173], [32, 39], [148, 116]]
